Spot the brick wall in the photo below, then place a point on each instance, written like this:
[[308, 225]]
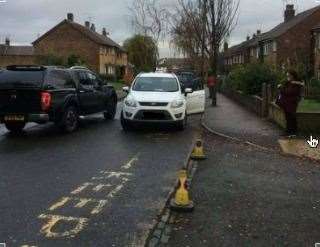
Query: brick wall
[[65, 41], [16, 60]]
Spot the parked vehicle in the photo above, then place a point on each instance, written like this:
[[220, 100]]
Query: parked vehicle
[[158, 97], [50, 94]]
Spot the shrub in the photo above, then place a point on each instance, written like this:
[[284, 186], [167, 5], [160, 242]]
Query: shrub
[[249, 78]]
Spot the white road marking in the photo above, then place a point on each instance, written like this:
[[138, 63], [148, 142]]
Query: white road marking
[[52, 220]]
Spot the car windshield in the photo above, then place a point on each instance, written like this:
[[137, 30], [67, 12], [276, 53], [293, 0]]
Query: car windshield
[[156, 84]]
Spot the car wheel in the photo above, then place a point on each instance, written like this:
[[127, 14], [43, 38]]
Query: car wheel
[[126, 125], [15, 127], [111, 109], [183, 123], [70, 119]]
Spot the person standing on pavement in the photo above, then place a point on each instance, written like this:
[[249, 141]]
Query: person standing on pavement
[[212, 85], [288, 100]]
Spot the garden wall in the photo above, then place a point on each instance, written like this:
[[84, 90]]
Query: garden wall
[[308, 122], [253, 103]]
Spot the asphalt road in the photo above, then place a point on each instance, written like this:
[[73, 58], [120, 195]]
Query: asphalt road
[[97, 187]]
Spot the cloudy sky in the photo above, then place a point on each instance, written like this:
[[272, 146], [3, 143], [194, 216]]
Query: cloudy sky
[[24, 20]]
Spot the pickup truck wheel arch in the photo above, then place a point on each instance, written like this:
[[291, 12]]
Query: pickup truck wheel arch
[[111, 107], [70, 119]]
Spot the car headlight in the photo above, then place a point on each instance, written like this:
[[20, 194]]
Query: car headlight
[[177, 103], [130, 102]]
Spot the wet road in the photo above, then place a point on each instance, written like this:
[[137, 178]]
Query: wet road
[[97, 187]]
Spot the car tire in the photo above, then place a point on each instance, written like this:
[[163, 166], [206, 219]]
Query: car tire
[[126, 125], [111, 109], [183, 123], [15, 127], [70, 119]]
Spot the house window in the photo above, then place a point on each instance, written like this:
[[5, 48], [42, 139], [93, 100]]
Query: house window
[[110, 70], [274, 46], [266, 49]]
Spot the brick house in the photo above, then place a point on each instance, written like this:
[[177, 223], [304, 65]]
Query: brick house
[[98, 51], [287, 44], [9, 54], [316, 50], [173, 64]]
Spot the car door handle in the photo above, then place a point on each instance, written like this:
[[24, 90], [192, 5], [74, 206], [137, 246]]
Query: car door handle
[[81, 91]]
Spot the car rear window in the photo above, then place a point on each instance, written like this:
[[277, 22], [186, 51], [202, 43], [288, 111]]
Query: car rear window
[[14, 78], [59, 79]]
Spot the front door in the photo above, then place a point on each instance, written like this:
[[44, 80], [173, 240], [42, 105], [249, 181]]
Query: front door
[[197, 99]]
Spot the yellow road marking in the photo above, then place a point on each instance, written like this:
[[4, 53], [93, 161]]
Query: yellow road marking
[[81, 188], [60, 203], [115, 174], [101, 186], [99, 208], [82, 202], [52, 220], [131, 162]]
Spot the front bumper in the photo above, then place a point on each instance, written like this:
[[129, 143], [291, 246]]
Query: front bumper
[[22, 117], [154, 114]]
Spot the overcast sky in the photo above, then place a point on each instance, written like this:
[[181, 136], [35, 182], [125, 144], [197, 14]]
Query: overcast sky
[[24, 20]]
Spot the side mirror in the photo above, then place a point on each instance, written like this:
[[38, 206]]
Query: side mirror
[[126, 89], [188, 91]]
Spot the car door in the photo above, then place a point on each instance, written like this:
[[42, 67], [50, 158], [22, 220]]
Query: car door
[[98, 92], [196, 100], [86, 92]]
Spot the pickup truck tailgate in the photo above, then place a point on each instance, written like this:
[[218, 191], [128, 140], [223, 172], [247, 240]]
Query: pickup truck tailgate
[[19, 101]]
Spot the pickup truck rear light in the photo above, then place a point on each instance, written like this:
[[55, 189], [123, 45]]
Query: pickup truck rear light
[[45, 101]]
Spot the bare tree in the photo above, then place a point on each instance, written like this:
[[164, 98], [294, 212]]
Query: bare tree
[[149, 18], [201, 26]]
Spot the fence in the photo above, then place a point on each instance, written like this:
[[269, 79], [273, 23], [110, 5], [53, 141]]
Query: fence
[[311, 92]]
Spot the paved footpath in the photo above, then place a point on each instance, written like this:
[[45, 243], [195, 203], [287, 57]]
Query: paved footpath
[[249, 197], [234, 120]]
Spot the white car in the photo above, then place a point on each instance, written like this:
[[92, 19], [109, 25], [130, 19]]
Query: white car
[[158, 97]]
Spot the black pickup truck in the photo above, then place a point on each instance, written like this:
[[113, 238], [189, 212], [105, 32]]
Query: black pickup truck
[[43, 94]]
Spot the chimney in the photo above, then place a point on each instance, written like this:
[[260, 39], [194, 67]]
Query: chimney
[[258, 32], [93, 27], [7, 41], [104, 32], [87, 24], [289, 13], [225, 46], [70, 17]]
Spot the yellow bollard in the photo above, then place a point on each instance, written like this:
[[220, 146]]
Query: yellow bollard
[[181, 201], [198, 153]]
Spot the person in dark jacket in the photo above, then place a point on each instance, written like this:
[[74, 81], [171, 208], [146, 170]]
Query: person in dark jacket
[[288, 100]]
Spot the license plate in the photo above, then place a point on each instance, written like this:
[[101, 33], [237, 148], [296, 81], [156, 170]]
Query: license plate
[[19, 118]]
